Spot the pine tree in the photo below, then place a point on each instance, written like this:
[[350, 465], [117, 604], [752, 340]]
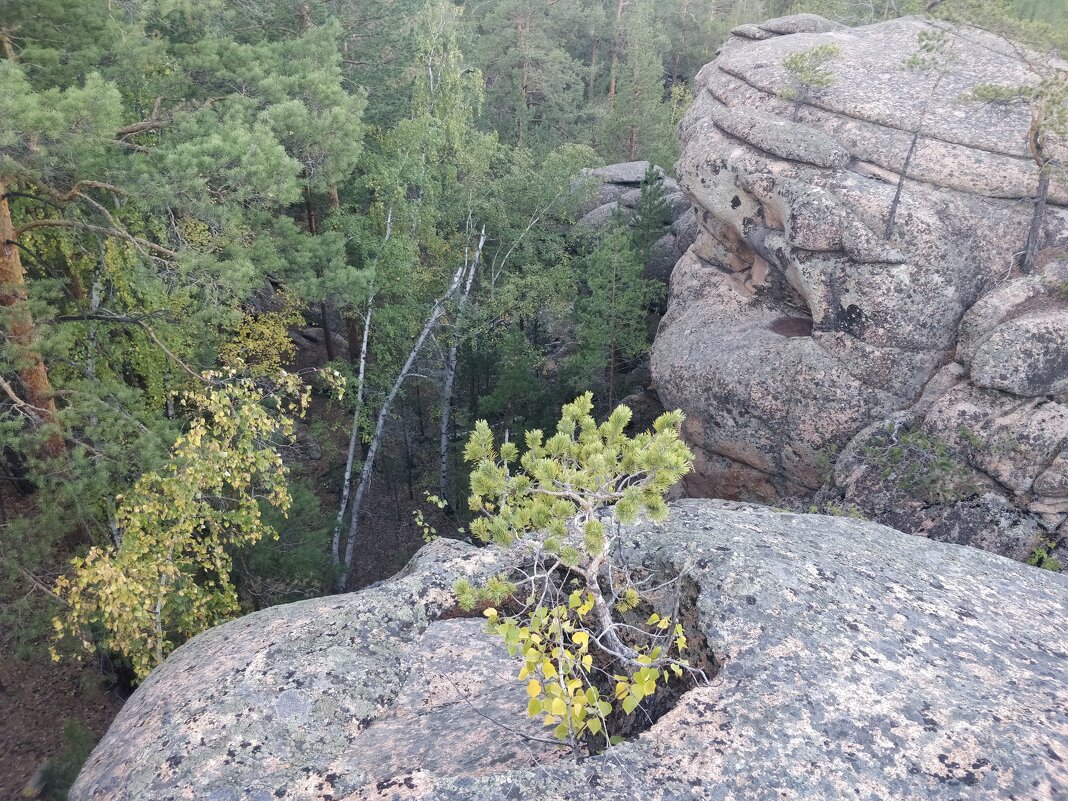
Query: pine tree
[[612, 316], [534, 81], [639, 124], [150, 182]]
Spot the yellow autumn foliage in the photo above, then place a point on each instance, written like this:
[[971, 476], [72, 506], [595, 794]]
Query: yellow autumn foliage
[[169, 577]]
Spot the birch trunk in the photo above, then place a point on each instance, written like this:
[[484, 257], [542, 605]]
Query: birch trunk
[[380, 424], [450, 377], [354, 436]]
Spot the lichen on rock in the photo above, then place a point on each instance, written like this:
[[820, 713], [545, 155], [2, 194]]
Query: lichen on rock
[[856, 662]]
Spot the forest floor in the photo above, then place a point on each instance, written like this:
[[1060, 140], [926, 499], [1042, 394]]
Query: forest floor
[[37, 698]]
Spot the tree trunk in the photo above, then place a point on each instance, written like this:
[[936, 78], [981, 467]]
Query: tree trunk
[[684, 12], [304, 13], [21, 330], [1038, 217], [7, 46], [892, 216], [324, 308], [617, 43], [591, 81], [354, 437], [1035, 144], [352, 325], [450, 377], [380, 424], [612, 342]]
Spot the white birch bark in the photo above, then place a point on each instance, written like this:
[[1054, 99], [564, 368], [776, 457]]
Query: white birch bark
[[450, 375], [380, 424]]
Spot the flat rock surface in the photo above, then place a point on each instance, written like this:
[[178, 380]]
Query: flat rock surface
[[858, 662]]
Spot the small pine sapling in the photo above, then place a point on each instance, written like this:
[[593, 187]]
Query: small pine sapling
[[562, 505], [808, 74]]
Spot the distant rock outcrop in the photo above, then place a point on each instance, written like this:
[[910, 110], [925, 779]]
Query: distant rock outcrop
[[619, 192], [916, 376], [857, 662]]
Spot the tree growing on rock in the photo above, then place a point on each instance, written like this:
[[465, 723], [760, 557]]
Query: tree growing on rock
[[933, 57], [1047, 101], [592, 635], [808, 74]]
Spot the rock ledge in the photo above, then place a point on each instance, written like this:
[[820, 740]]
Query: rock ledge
[[858, 663]]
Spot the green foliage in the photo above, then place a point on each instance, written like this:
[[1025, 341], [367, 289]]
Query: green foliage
[[567, 495], [836, 510], [564, 481], [495, 591], [261, 343], [293, 565], [1048, 100], [428, 531], [918, 462], [1042, 557], [169, 577], [638, 124], [824, 461], [1041, 24], [652, 216], [807, 73], [612, 313], [932, 52], [558, 666], [849, 12], [62, 769], [529, 53]]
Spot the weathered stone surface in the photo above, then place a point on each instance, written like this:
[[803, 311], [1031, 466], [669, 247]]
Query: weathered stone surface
[[599, 217], [782, 138], [1027, 356], [242, 710], [800, 316], [801, 23], [663, 255], [857, 662], [630, 172]]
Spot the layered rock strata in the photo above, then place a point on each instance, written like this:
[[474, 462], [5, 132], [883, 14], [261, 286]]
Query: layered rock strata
[[855, 283]]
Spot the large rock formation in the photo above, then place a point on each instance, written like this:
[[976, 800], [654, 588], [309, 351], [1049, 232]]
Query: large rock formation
[[857, 662], [799, 327]]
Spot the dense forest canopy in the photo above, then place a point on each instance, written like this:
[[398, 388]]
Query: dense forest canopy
[[265, 262]]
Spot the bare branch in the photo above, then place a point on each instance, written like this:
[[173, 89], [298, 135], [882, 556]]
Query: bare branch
[[152, 123]]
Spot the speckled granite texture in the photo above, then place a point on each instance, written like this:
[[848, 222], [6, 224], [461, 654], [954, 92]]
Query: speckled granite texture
[[859, 663]]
